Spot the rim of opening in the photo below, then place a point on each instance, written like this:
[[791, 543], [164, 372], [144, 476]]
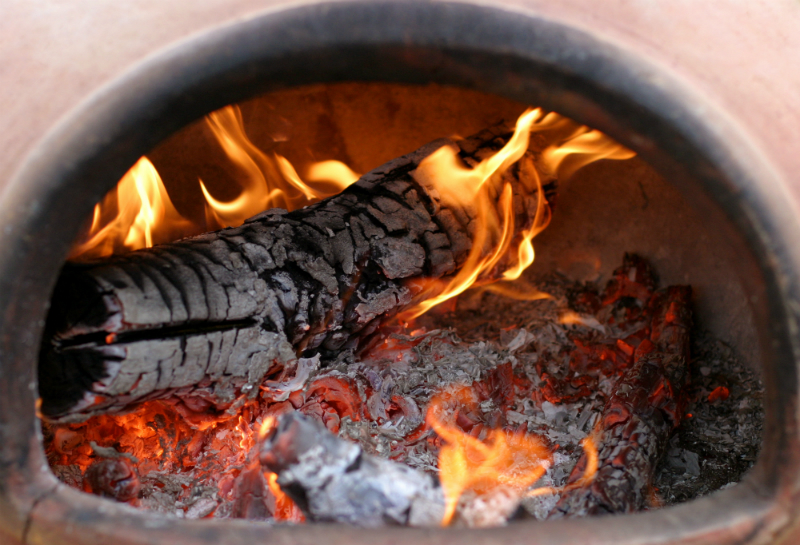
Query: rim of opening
[[492, 49]]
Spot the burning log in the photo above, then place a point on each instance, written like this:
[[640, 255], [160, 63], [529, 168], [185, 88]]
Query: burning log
[[333, 480], [647, 405], [485, 418], [207, 319]]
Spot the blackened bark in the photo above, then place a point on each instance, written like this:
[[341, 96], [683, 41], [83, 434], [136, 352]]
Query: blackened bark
[[205, 320], [647, 405]]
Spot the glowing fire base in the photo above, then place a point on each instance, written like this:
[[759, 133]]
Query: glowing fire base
[[537, 383]]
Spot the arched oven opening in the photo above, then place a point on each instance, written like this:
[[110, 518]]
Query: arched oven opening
[[679, 205]]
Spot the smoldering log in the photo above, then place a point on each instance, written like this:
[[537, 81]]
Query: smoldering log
[[333, 480], [205, 320], [647, 405]]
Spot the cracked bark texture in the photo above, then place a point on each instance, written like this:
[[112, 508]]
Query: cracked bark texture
[[647, 405], [204, 321]]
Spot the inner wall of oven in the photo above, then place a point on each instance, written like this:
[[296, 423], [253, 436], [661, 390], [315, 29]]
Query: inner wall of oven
[[604, 210]]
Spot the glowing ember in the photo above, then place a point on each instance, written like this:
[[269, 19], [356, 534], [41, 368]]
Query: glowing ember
[[285, 508]]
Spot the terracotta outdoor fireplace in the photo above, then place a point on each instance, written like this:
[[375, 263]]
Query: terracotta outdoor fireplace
[[623, 370]]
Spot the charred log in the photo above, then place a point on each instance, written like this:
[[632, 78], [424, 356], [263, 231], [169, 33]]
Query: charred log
[[333, 480], [647, 405], [204, 321]]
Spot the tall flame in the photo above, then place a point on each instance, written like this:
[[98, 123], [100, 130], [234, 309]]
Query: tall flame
[[268, 180], [144, 215], [476, 188], [511, 460]]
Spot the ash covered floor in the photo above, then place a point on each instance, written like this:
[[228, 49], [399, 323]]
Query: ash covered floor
[[518, 356]]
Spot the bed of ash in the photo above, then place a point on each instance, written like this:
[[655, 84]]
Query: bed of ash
[[516, 355]]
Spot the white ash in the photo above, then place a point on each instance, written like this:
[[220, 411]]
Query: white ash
[[720, 442], [488, 510], [710, 450], [337, 482], [167, 493], [442, 359]]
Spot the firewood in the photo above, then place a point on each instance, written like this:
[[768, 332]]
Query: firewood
[[206, 320], [333, 480], [647, 405]]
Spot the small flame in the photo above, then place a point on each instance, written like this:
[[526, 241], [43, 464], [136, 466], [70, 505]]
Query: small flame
[[589, 472], [144, 214], [268, 180], [570, 317], [285, 508], [582, 147], [266, 427], [511, 460], [333, 172]]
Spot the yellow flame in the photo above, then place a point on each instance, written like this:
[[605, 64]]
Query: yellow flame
[[266, 427], [144, 215], [462, 186], [494, 239], [268, 180], [333, 172], [519, 291], [140, 212], [512, 460], [583, 147]]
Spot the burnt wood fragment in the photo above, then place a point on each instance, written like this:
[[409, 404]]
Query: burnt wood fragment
[[252, 498], [333, 480], [205, 320], [647, 405], [113, 478]]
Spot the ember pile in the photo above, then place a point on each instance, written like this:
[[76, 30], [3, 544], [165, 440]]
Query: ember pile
[[550, 388], [286, 369]]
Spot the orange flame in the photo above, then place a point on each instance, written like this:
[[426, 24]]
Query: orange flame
[[285, 508], [582, 147], [512, 460], [589, 472], [144, 215], [475, 188], [139, 213], [268, 180]]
